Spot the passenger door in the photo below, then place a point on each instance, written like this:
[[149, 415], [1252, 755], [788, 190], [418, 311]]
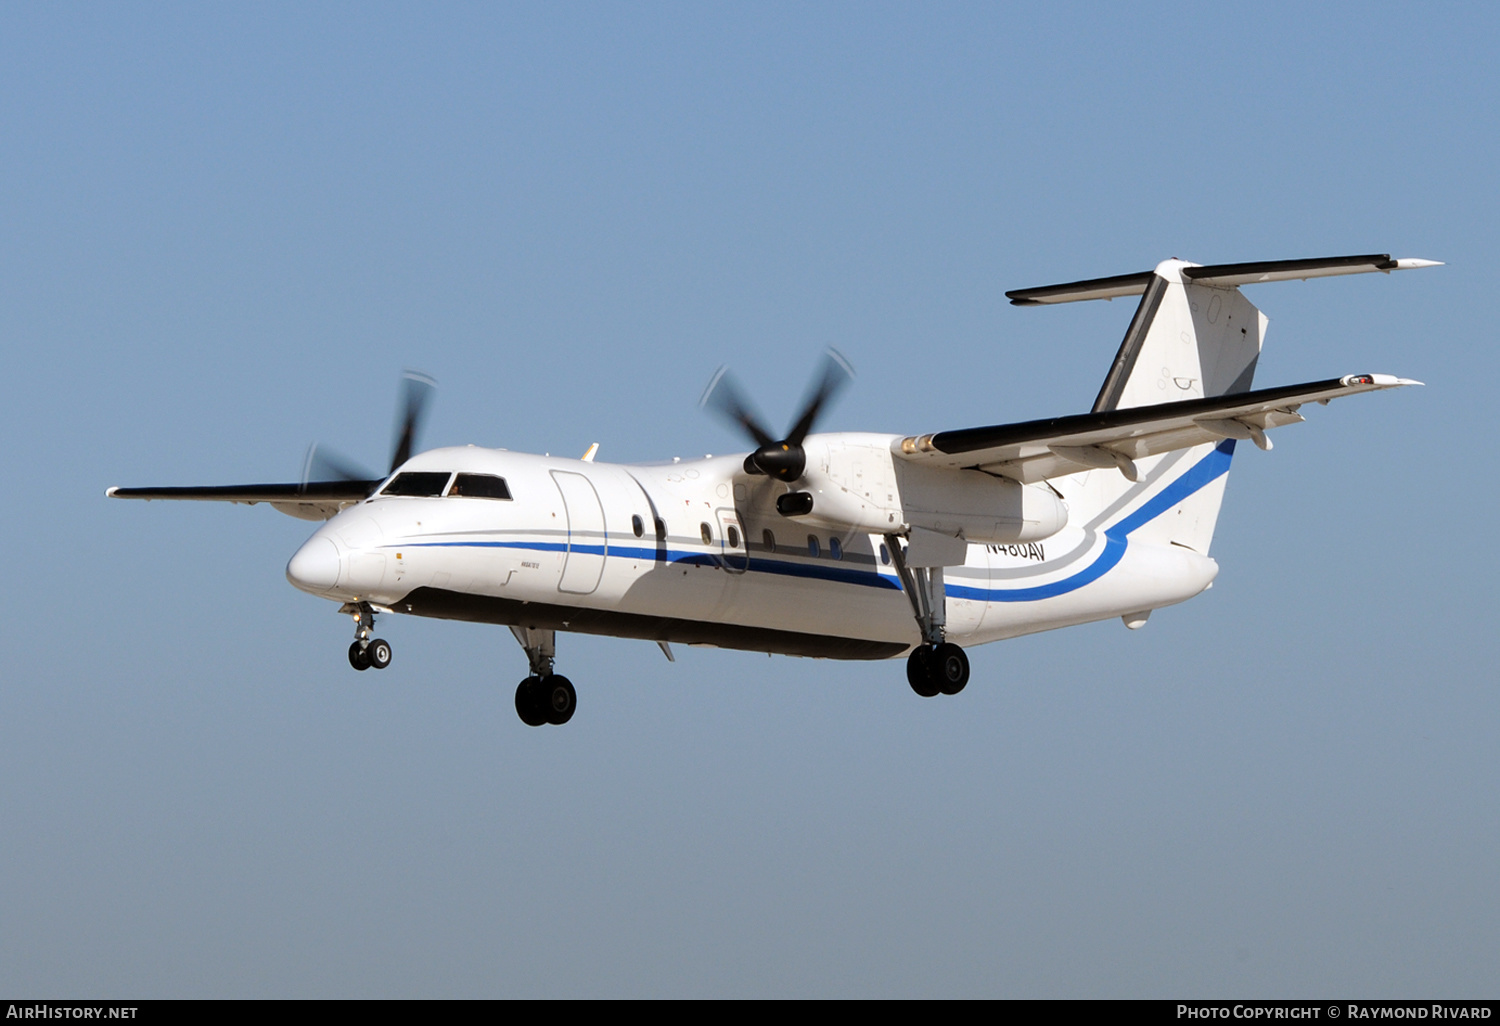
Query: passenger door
[[588, 544]]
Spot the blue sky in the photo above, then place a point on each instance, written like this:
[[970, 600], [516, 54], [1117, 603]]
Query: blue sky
[[227, 230]]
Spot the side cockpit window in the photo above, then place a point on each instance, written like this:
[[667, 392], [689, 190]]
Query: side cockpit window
[[480, 486], [418, 482]]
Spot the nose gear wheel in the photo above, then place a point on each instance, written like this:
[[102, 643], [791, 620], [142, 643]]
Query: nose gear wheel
[[366, 652]]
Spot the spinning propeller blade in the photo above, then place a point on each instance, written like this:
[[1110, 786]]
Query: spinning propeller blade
[[416, 393], [837, 372], [321, 464], [723, 397], [784, 460], [325, 466]]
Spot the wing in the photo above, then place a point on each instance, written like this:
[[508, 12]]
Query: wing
[[316, 500], [1041, 449]]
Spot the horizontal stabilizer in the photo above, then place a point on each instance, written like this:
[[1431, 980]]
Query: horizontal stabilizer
[[1074, 291], [1299, 270], [1222, 275], [1040, 449]]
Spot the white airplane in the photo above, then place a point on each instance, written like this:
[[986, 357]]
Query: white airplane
[[842, 545]]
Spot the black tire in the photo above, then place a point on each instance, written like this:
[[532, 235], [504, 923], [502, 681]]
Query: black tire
[[557, 699], [919, 672], [379, 653], [950, 668], [527, 706], [359, 656]]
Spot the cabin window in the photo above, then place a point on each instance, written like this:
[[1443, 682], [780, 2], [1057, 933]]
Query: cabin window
[[835, 548], [661, 529], [707, 533], [480, 486], [418, 482], [768, 540], [885, 554], [812, 546], [637, 525], [734, 537]]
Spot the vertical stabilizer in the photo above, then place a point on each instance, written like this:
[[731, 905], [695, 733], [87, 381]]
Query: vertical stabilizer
[[1186, 341], [1194, 336]]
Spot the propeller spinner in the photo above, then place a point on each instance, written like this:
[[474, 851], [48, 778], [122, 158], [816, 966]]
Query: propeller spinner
[[785, 460]]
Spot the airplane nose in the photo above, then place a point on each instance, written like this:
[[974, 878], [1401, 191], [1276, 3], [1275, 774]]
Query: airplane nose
[[315, 566]]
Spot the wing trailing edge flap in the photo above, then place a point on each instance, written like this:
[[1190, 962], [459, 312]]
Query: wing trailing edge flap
[[1040, 449]]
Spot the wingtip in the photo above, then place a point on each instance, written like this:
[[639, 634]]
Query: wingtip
[[1411, 263], [109, 493]]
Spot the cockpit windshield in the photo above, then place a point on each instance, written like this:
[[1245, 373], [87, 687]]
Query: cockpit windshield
[[480, 486], [433, 483], [418, 482]]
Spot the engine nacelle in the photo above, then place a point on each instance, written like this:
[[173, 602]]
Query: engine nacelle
[[858, 483], [978, 507]]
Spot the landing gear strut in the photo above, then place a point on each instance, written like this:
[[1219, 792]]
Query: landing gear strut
[[366, 652], [543, 697], [937, 666]]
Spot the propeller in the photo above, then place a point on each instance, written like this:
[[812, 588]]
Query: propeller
[[784, 460], [321, 464], [324, 465], [416, 393]]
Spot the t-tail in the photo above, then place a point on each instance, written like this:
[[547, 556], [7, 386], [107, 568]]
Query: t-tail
[[1194, 336]]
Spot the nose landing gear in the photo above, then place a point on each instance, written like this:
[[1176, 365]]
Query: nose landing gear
[[543, 697], [366, 652]]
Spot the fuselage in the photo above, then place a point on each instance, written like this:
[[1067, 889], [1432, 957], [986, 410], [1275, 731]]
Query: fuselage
[[695, 552]]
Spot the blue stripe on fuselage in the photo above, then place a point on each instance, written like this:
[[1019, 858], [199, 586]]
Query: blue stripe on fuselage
[[757, 564], [1201, 474]]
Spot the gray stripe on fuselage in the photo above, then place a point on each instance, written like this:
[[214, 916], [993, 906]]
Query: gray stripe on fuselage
[[1090, 530]]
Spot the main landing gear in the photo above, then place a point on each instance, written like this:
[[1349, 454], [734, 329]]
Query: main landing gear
[[366, 652], [937, 669], [544, 696], [937, 666]]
